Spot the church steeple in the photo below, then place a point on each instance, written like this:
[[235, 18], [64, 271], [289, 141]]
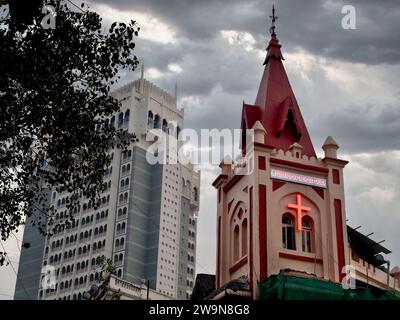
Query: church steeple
[[276, 105]]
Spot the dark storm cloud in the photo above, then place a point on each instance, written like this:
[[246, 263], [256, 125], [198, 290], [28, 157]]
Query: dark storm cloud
[[222, 75], [314, 25], [363, 129]]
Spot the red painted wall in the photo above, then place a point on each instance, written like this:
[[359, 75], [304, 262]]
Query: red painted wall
[[339, 236], [262, 223]]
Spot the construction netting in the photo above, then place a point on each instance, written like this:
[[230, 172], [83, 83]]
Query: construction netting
[[284, 287]]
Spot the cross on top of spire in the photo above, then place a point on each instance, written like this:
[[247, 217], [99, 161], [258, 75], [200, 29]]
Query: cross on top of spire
[[273, 19]]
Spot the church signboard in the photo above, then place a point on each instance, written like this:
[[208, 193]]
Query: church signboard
[[298, 178]]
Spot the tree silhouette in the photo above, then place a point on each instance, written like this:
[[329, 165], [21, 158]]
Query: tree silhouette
[[55, 103]]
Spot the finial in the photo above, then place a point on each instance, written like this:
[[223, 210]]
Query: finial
[[273, 19]]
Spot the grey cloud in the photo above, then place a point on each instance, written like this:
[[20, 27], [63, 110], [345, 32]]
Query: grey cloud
[[365, 128], [314, 25]]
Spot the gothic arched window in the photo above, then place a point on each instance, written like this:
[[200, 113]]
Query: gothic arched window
[[288, 234], [244, 237], [236, 243], [306, 235]]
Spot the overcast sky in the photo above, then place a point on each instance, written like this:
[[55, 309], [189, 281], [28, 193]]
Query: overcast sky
[[346, 83]]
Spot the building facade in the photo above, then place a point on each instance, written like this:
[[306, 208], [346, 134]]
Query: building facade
[[146, 221], [286, 209], [115, 288]]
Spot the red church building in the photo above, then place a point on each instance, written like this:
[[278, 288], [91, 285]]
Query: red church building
[[287, 215]]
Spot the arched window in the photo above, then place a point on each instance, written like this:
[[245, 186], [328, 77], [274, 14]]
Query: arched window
[[123, 226], [117, 243], [195, 193], [126, 118], [119, 212], [164, 125], [150, 119], [119, 274], [244, 237], [306, 235], [124, 210], [120, 119], [288, 235], [156, 121], [236, 243]]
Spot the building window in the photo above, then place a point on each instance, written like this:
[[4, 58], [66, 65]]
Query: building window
[[306, 235], [150, 119], [288, 235], [244, 237], [156, 121], [236, 243], [120, 119], [126, 118]]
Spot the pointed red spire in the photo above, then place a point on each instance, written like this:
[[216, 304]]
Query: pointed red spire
[[276, 105]]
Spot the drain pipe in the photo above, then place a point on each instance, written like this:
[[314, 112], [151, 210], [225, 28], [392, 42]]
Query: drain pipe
[[388, 274]]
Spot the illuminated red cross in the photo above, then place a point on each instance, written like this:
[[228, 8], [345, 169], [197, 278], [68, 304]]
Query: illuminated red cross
[[299, 209]]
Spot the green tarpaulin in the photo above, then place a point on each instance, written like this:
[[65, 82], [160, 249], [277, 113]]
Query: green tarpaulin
[[284, 287]]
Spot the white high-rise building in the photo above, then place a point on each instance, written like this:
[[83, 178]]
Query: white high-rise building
[[146, 222]]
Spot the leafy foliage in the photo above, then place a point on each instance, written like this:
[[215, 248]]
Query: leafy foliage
[[54, 92], [106, 267]]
